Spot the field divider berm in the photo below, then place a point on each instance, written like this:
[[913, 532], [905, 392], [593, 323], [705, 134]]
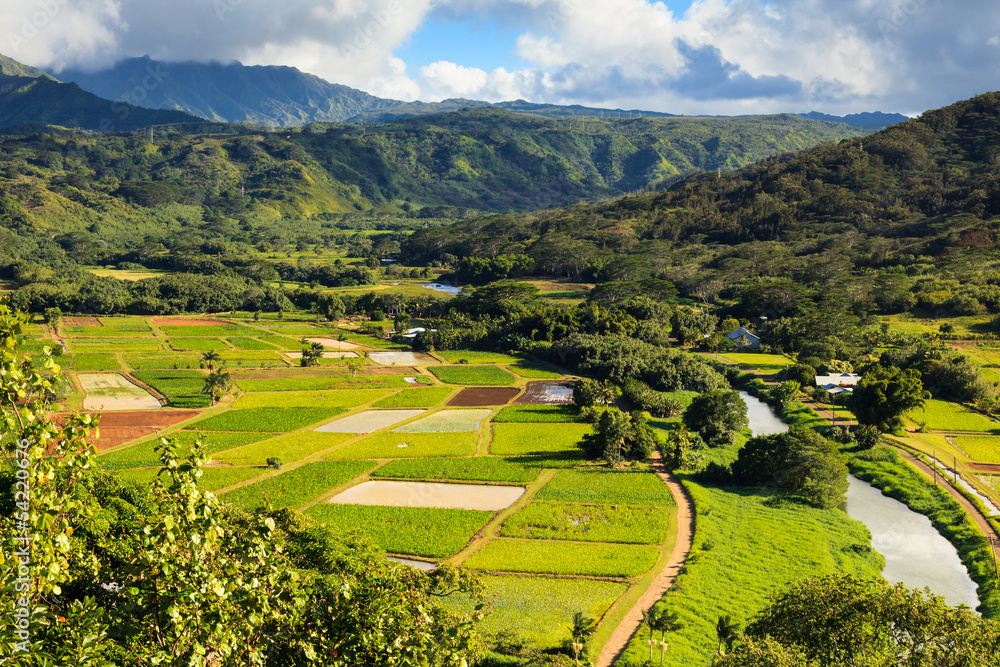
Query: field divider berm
[[351, 483], [492, 529]]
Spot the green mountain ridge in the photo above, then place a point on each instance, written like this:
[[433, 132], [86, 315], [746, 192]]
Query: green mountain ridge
[[230, 92], [10, 67]]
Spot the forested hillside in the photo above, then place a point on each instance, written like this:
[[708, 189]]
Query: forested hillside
[[792, 230]]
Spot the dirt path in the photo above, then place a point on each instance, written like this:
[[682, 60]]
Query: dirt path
[[619, 639], [984, 525]]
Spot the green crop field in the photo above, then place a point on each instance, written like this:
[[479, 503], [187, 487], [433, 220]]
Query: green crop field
[[212, 479], [243, 343], [541, 557], [164, 361], [276, 420], [143, 454], [607, 486], [746, 551], [627, 524], [94, 362], [528, 439], [446, 421], [421, 397], [946, 416], [124, 344], [198, 344], [298, 486], [208, 330], [289, 448], [309, 399], [282, 342], [480, 468], [983, 449], [182, 388], [533, 371], [414, 531], [409, 445], [526, 414], [128, 324], [295, 382], [766, 363], [992, 481], [473, 375], [476, 357], [539, 610]]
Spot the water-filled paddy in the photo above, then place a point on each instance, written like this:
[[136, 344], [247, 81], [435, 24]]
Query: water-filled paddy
[[431, 494]]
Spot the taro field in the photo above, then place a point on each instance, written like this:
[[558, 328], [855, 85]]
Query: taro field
[[579, 538]]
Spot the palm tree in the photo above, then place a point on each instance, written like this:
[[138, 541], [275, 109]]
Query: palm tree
[[210, 358], [665, 622], [727, 630], [606, 393], [581, 631], [649, 618], [217, 385]]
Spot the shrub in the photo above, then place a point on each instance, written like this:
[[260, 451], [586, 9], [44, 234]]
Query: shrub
[[274, 462]]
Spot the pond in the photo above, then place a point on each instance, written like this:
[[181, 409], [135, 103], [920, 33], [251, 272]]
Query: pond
[[915, 553], [447, 289]]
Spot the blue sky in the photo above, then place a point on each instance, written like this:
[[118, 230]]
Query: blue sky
[[689, 56]]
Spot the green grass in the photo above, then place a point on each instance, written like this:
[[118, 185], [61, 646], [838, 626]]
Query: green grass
[[182, 388], [476, 357], [414, 531], [744, 552], [94, 362], [541, 557], [211, 479], [637, 488], [143, 454], [275, 420], [418, 445], [983, 449], [164, 361], [533, 371], [447, 421], [539, 610], [282, 342], [128, 324], [198, 344], [298, 486], [480, 469], [289, 448], [243, 343], [208, 330], [422, 397], [321, 382], [766, 363], [626, 524], [473, 375], [549, 414], [309, 399], [946, 416], [533, 439], [124, 344]]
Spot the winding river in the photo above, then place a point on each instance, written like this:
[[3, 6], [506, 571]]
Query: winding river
[[915, 553]]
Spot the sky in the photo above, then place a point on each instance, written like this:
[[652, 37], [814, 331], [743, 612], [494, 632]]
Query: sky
[[720, 57]]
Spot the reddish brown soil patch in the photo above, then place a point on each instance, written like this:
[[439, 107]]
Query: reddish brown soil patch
[[185, 322], [543, 392], [985, 467], [120, 427], [80, 322], [477, 396]]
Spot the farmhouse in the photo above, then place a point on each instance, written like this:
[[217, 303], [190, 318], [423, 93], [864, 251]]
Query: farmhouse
[[842, 380], [747, 338]]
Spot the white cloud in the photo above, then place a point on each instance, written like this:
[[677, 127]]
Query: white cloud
[[720, 56]]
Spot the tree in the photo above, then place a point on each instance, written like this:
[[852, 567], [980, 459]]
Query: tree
[[799, 460], [52, 317], [217, 385], [839, 619], [618, 436], [727, 631], [666, 621], [884, 395], [311, 354], [581, 632], [588, 393], [718, 416], [867, 436], [785, 392], [683, 449], [209, 359]]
